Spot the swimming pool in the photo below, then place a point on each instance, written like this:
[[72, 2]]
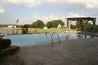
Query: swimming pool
[[35, 39]]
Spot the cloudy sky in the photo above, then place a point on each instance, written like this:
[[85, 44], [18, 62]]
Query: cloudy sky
[[28, 11]]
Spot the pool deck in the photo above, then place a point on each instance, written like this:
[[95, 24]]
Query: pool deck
[[73, 52]]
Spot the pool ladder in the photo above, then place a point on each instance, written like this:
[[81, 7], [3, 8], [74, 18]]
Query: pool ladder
[[52, 37]]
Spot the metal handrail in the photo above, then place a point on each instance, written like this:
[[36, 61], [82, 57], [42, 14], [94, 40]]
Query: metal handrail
[[52, 34], [48, 38]]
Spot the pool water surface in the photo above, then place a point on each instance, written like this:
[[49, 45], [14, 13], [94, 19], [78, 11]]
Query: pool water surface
[[35, 39]]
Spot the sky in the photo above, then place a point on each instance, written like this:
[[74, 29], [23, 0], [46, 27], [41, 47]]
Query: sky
[[28, 11]]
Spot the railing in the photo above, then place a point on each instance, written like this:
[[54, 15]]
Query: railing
[[52, 37]]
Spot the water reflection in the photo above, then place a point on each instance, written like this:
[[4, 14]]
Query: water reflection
[[67, 36], [81, 36]]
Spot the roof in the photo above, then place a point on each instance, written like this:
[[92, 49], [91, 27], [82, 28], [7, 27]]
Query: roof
[[81, 18]]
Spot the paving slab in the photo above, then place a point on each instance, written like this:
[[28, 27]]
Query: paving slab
[[72, 52]]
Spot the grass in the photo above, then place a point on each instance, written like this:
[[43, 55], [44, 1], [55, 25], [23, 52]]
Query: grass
[[39, 31], [36, 30]]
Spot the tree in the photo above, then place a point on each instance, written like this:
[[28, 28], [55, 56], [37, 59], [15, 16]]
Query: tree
[[34, 25], [80, 24], [38, 24], [85, 25], [49, 24], [57, 22], [73, 26]]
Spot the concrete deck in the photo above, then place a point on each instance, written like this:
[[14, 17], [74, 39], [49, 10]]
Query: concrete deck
[[74, 52]]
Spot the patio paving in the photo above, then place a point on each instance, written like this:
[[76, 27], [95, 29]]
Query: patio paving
[[73, 52]]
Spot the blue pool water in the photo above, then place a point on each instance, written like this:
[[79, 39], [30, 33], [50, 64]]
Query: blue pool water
[[35, 39]]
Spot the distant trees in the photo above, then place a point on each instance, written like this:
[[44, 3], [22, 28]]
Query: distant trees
[[83, 25], [38, 24], [49, 24], [57, 22], [80, 24], [54, 23], [34, 25], [73, 26]]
